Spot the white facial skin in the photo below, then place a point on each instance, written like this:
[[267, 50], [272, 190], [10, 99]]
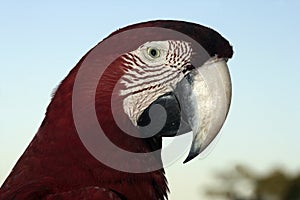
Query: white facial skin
[[154, 69]]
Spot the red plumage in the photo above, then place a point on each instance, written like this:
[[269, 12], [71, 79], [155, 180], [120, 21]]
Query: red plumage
[[56, 165]]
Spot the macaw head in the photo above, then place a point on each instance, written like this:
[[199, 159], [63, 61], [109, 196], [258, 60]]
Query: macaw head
[[178, 66]]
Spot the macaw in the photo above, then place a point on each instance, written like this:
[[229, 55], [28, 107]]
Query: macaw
[[179, 66]]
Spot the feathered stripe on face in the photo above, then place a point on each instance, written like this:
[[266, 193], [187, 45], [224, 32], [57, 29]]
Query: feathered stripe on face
[[151, 71]]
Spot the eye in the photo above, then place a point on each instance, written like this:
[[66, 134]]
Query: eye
[[153, 52]]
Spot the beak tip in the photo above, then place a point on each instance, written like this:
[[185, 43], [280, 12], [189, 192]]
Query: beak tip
[[190, 157]]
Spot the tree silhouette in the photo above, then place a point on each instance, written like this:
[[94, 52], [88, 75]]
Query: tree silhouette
[[293, 189], [241, 183]]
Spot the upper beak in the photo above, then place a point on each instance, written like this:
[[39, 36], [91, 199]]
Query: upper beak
[[204, 96]]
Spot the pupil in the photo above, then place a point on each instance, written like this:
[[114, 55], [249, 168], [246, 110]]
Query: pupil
[[153, 52]]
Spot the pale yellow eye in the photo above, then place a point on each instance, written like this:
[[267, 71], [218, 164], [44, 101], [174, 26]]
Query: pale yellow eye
[[153, 52]]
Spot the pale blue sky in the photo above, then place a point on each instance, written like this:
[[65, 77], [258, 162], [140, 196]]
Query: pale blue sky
[[41, 42]]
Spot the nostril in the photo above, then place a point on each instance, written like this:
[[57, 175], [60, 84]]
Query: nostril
[[188, 68]]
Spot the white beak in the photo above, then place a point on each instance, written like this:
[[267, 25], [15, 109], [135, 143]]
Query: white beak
[[205, 96]]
